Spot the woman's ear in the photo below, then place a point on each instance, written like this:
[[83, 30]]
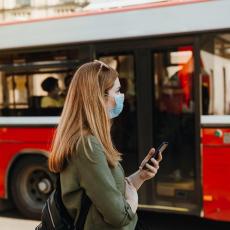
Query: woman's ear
[[110, 102]]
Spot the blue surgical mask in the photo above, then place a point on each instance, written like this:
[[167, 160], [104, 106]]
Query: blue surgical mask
[[119, 100]]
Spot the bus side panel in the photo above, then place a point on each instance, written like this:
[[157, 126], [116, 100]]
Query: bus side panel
[[15, 140], [216, 173]]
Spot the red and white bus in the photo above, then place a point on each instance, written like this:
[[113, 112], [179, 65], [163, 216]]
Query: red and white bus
[[174, 64]]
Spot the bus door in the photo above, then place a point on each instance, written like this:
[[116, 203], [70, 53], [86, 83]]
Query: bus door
[[174, 120], [160, 105], [124, 128]]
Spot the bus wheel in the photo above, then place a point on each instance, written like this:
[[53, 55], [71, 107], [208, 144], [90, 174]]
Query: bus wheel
[[31, 183]]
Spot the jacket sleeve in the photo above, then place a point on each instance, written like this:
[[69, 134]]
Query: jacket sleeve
[[99, 184]]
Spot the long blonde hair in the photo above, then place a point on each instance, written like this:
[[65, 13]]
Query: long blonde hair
[[85, 110]]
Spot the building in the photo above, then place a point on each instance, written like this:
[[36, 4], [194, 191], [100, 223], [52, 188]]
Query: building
[[20, 10]]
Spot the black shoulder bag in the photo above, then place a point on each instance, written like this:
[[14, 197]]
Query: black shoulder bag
[[55, 216]]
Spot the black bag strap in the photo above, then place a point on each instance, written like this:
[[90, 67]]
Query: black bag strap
[[85, 205], [65, 218]]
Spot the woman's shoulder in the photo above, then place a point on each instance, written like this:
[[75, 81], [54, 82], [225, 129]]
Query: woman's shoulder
[[90, 140], [90, 146]]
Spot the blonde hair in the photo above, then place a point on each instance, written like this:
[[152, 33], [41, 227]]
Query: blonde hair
[[84, 113]]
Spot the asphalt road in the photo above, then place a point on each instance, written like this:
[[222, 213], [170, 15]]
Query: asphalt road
[[153, 221]]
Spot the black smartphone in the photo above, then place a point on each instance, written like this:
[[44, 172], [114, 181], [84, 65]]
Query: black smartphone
[[161, 148]]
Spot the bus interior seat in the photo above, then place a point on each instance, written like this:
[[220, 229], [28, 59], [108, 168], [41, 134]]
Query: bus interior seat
[[35, 102]]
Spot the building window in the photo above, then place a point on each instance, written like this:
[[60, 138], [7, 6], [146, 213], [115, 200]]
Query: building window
[[67, 1], [20, 3]]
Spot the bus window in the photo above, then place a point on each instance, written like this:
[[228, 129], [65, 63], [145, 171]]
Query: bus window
[[36, 83], [24, 95], [124, 130], [46, 90], [215, 72], [17, 92]]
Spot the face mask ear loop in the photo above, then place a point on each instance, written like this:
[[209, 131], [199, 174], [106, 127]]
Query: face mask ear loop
[[115, 112]]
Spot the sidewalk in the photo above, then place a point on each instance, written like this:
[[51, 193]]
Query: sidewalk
[[8, 223]]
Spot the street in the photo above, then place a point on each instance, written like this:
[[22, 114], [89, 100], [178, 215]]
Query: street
[[13, 220], [10, 220], [7, 223]]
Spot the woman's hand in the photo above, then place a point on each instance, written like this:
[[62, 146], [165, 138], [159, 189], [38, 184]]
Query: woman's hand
[[151, 171], [138, 178]]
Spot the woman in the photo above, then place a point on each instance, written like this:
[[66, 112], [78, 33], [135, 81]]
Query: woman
[[83, 153]]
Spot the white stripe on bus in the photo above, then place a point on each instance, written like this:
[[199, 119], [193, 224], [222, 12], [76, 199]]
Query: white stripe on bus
[[215, 119], [52, 120]]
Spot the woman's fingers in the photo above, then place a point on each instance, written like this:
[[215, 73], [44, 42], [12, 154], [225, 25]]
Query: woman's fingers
[[155, 163], [150, 153], [148, 156], [151, 171], [154, 167], [159, 159]]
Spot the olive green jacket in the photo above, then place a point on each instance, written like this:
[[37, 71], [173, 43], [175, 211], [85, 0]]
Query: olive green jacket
[[104, 186]]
